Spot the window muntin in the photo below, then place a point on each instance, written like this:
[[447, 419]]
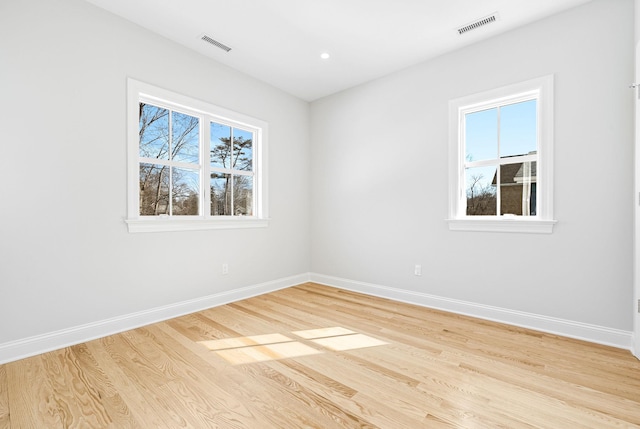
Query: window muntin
[[500, 152], [193, 161]]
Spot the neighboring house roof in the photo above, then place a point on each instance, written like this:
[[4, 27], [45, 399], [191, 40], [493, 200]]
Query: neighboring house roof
[[512, 174]]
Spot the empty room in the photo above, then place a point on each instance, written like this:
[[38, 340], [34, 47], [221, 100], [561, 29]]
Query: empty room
[[319, 214]]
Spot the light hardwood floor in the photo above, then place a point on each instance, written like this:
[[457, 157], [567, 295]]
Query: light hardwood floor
[[318, 357]]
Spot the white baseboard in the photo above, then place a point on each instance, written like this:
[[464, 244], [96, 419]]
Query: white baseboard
[[566, 328], [31, 346]]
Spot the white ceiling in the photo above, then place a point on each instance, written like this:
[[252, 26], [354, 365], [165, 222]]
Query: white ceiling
[[280, 41]]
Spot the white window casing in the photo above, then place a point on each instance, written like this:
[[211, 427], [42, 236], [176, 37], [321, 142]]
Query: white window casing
[[142, 92], [540, 89]]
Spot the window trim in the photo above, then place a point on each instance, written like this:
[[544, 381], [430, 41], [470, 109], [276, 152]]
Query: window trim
[[137, 90], [543, 221]]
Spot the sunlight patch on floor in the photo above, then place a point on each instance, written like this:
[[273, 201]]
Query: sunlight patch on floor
[[261, 348], [323, 332], [254, 340], [348, 342], [243, 355]]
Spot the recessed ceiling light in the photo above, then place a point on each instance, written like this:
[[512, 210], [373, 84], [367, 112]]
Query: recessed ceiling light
[[324, 56]]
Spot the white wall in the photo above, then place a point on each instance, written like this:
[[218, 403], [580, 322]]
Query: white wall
[[66, 258], [378, 163], [379, 176]]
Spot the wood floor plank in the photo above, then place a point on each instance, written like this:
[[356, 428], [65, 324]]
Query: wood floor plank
[[199, 384], [250, 405], [373, 410], [220, 379], [151, 368], [78, 401], [313, 356], [4, 399], [136, 393], [32, 401], [120, 415]]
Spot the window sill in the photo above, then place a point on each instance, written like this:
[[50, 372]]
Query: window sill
[[532, 226], [193, 224]]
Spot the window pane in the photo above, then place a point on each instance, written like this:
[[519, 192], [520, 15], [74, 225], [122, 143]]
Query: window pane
[[185, 192], [220, 145], [184, 138], [481, 135], [518, 189], [154, 190], [153, 130], [481, 191], [243, 195], [220, 189], [518, 129], [242, 150]]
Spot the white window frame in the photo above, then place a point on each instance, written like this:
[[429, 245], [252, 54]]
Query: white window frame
[[139, 91], [542, 90]]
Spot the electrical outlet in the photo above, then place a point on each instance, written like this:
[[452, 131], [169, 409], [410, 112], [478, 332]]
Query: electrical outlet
[[225, 268], [417, 270]]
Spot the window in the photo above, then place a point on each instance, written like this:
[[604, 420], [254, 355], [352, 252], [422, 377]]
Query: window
[[500, 154], [192, 165]]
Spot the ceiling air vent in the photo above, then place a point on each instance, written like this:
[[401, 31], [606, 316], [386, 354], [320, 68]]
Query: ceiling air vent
[[478, 23], [215, 43]]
